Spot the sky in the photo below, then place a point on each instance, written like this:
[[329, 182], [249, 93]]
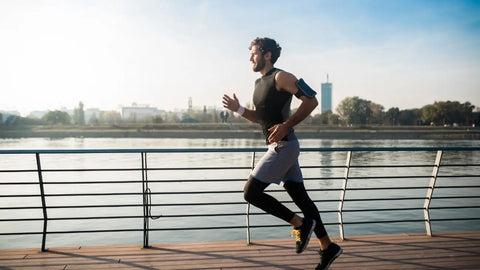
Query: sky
[[112, 53]]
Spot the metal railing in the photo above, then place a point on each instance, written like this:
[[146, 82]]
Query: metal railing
[[465, 168]]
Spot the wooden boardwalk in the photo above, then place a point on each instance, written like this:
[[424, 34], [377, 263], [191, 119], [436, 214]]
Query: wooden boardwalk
[[454, 250]]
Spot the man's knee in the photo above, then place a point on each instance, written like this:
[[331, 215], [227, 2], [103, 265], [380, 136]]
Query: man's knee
[[253, 189], [249, 190]]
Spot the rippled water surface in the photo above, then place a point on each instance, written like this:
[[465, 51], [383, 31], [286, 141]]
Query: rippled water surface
[[319, 179]]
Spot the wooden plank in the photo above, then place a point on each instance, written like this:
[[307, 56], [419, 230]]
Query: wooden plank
[[458, 250]]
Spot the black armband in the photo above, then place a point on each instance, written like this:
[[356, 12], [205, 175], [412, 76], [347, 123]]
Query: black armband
[[304, 89]]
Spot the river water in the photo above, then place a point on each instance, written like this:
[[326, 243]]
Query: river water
[[328, 180]]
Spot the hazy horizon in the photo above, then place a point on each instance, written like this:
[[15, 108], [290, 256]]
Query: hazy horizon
[[403, 54]]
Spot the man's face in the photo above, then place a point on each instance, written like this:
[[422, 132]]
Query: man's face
[[257, 59]]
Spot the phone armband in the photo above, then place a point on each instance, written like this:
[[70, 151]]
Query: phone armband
[[304, 89]]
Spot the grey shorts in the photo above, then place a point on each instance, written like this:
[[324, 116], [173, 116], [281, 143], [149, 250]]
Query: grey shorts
[[280, 163]]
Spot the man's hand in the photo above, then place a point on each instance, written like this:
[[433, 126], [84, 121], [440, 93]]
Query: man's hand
[[277, 132], [231, 103]]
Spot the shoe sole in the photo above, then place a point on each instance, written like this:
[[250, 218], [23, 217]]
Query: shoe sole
[[333, 259], [314, 223]]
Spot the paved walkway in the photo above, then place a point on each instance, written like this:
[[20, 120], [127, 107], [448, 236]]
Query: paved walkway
[[455, 250]]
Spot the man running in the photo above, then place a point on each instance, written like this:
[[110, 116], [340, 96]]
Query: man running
[[272, 97]]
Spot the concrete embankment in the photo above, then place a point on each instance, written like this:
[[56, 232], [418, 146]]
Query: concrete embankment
[[240, 131]]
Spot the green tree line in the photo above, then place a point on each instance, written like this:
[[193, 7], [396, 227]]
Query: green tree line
[[357, 111], [352, 111]]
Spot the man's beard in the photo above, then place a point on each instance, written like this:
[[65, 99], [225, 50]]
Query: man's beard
[[260, 65]]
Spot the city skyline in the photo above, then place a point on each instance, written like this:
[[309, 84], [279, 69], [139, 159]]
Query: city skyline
[[403, 54]]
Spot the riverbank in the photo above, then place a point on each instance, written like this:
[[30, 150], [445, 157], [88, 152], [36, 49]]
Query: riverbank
[[248, 131]]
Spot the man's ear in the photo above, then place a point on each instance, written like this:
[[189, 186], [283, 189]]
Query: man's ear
[[268, 56]]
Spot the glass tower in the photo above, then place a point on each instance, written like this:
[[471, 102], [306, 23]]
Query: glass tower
[[326, 103]]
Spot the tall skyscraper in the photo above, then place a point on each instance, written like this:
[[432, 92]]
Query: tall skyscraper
[[326, 103]]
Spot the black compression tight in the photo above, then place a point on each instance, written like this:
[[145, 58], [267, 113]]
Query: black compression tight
[[254, 194]]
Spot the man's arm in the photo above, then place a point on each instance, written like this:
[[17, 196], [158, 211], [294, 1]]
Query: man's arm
[[287, 82], [306, 108], [233, 105]]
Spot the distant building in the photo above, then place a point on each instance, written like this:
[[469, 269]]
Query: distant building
[[9, 117], [91, 113], [326, 96], [139, 111], [16, 113]]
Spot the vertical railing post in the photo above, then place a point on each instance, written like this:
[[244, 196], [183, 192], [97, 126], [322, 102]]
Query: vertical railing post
[[44, 204], [342, 194], [145, 191], [247, 212], [431, 187]]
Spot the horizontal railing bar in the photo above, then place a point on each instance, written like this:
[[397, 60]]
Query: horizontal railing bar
[[408, 220], [458, 176], [213, 168], [385, 177], [229, 168], [412, 198], [71, 218], [158, 229], [235, 191], [125, 182], [233, 150], [455, 197], [454, 207], [71, 206], [447, 187], [460, 165], [454, 219], [235, 227], [391, 166], [185, 192], [242, 179], [222, 214], [221, 204], [140, 169], [238, 214]]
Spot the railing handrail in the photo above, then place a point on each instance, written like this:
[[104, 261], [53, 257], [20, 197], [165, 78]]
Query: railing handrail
[[233, 150]]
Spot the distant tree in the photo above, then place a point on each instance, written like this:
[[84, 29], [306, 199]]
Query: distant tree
[[333, 119], [410, 117], [57, 118], [448, 112], [157, 119], [326, 118], [172, 117], [377, 114], [79, 115], [354, 110], [430, 114], [201, 115], [321, 119], [1, 119], [392, 116]]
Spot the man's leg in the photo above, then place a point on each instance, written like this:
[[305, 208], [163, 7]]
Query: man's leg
[[299, 195], [329, 251], [254, 194]]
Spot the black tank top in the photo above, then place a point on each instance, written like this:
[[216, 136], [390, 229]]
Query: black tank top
[[272, 106]]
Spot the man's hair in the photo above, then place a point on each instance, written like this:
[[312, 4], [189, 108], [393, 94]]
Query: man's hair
[[267, 45]]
